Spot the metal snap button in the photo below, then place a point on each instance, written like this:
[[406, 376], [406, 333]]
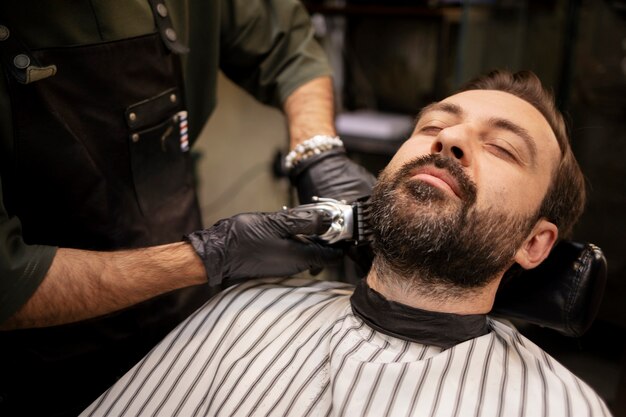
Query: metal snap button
[[135, 137], [132, 117], [170, 34], [173, 98], [4, 33], [21, 61], [161, 10]]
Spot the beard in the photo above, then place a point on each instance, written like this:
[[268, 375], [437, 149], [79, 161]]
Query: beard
[[422, 235]]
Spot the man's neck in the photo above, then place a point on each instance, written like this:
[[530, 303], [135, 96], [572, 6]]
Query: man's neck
[[478, 301]]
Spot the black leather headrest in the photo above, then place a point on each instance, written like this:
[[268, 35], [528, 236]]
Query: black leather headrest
[[563, 293]]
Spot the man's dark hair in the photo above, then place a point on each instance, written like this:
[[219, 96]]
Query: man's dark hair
[[565, 200]]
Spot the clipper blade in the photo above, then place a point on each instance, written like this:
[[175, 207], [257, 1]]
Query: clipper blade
[[362, 213]]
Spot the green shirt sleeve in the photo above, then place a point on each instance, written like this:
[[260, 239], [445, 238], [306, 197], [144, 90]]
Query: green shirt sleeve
[[268, 48], [22, 266]]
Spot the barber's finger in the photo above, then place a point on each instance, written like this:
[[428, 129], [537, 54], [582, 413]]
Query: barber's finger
[[316, 270], [302, 222], [318, 255]]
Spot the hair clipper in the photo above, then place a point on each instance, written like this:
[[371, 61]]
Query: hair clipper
[[346, 222]]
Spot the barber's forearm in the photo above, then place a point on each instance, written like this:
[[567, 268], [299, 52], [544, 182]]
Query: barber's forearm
[[84, 284], [310, 110]]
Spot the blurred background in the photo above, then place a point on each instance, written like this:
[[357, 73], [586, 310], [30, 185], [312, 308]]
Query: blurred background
[[390, 58]]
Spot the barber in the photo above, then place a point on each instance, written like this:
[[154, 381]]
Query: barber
[[96, 185]]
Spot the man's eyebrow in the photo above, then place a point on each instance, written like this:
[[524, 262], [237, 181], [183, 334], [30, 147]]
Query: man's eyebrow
[[517, 130], [439, 106]]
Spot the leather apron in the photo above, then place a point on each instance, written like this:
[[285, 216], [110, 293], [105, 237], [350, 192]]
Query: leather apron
[[100, 162]]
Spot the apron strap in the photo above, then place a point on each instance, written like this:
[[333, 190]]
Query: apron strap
[[164, 25], [19, 61]]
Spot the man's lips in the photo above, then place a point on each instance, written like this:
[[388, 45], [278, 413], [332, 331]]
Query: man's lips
[[438, 178]]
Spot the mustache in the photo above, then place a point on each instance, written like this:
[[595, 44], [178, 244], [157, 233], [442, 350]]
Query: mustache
[[466, 186]]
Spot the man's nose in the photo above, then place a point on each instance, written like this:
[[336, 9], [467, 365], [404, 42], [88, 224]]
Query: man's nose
[[454, 142]]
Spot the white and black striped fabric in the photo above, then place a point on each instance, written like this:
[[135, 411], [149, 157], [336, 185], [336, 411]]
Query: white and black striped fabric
[[293, 347]]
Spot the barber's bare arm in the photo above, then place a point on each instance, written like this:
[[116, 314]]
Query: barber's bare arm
[[310, 110], [83, 284]]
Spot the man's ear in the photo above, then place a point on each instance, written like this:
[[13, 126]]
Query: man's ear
[[537, 245]]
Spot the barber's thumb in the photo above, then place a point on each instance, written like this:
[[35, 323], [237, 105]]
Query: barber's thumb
[[302, 222]]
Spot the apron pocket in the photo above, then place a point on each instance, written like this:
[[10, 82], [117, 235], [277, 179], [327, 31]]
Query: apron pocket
[[160, 168]]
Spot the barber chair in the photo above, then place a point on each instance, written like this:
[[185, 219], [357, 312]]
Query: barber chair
[[563, 293]]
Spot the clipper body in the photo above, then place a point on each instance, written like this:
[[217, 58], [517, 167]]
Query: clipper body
[[340, 215], [347, 222]]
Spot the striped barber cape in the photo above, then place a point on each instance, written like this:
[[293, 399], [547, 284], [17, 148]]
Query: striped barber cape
[[293, 347]]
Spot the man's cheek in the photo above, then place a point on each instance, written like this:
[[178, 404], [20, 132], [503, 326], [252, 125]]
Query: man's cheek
[[410, 150]]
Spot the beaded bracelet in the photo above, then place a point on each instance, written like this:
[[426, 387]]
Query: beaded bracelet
[[313, 146]]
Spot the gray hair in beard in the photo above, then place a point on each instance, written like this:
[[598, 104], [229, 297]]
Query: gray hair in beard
[[425, 240]]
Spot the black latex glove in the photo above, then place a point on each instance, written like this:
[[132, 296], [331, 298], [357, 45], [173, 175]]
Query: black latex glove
[[331, 175], [255, 245]]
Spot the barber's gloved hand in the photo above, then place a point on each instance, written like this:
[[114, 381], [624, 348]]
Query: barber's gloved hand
[[331, 174], [255, 245]]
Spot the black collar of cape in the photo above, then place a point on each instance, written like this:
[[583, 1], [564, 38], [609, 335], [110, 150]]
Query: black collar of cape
[[413, 324]]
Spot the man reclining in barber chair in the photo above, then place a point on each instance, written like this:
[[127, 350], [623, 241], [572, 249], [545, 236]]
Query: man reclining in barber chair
[[487, 181]]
